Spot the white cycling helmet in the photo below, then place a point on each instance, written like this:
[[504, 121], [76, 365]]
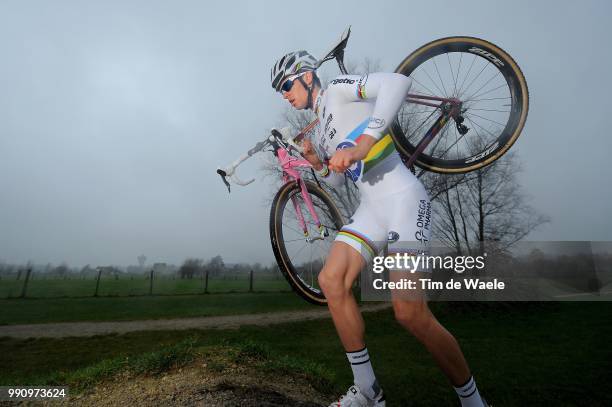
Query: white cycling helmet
[[291, 64]]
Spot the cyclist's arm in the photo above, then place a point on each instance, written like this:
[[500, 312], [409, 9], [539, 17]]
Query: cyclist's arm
[[387, 89]]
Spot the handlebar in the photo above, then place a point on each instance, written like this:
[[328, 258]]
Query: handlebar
[[276, 136]]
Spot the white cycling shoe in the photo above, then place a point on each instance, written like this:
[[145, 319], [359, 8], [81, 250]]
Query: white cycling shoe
[[354, 398]]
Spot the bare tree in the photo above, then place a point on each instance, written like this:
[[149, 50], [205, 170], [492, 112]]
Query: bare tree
[[190, 267], [486, 205], [216, 265]]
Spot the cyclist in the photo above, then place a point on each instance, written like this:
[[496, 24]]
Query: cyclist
[[354, 112]]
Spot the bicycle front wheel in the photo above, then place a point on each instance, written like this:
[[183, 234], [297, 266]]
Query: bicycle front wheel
[[494, 103], [300, 246]]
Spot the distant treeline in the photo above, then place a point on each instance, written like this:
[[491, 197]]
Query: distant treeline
[[190, 268]]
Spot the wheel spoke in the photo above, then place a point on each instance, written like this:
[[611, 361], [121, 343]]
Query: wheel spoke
[[466, 75], [490, 110], [476, 124], [488, 99], [300, 251], [439, 76], [484, 118], [452, 74], [458, 70], [421, 125], [434, 83], [475, 127], [473, 80], [485, 84], [493, 90], [294, 240], [424, 87], [295, 230], [420, 111], [452, 145]]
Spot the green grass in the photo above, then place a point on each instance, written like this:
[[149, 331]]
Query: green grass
[[522, 355], [41, 310], [149, 363], [41, 287], [265, 358]]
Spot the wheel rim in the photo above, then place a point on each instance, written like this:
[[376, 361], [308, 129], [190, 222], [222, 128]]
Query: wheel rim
[[492, 103]]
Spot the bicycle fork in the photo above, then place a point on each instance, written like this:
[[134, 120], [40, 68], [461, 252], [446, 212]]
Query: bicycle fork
[[322, 230]]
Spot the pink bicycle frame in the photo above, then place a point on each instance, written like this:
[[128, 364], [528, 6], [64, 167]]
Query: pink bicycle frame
[[289, 164]]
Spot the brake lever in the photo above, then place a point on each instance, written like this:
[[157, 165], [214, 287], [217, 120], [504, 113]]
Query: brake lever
[[223, 174], [284, 135]]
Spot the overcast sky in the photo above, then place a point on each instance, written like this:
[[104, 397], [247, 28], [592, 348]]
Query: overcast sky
[[115, 114]]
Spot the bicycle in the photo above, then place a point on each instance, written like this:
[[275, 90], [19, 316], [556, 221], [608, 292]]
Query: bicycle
[[312, 218], [502, 112]]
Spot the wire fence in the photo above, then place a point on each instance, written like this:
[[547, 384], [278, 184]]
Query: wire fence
[[29, 284]]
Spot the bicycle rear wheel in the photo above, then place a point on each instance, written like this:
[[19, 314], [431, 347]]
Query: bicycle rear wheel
[[300, 256], [494, 104]]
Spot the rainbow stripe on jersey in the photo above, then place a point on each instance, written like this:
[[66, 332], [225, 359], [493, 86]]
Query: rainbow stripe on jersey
[[361, 240], [379, 151]]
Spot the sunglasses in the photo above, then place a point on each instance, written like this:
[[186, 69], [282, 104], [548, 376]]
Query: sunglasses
[[288, 84]]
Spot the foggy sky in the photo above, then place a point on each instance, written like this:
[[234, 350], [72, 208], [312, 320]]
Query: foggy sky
[[114, 115]]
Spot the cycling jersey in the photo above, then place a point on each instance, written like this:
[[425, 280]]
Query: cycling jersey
[[353, 105]]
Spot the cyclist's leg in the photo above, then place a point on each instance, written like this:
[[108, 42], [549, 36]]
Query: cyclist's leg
[[353, 249], [415, 316], [412, 226], [348, 255], [341, 268]]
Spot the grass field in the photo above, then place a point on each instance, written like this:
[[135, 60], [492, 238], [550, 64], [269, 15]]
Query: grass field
[[39, 286], [40, 310], [522, 355]]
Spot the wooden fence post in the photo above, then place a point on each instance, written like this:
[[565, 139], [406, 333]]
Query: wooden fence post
[[251, 281], [98, 281], [151, 283], [25, 282]]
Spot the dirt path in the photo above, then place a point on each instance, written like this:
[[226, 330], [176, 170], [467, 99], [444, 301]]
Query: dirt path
[[66, 329], [216, 378]]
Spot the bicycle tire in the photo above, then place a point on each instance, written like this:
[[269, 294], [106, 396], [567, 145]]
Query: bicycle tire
[[518, 95], [278, 229]]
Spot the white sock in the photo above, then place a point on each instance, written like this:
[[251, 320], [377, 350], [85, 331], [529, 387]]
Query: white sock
[[363, 374], [468, 394]]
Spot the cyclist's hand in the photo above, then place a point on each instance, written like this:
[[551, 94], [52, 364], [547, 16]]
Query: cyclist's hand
[[342, 159], [310, 154]]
